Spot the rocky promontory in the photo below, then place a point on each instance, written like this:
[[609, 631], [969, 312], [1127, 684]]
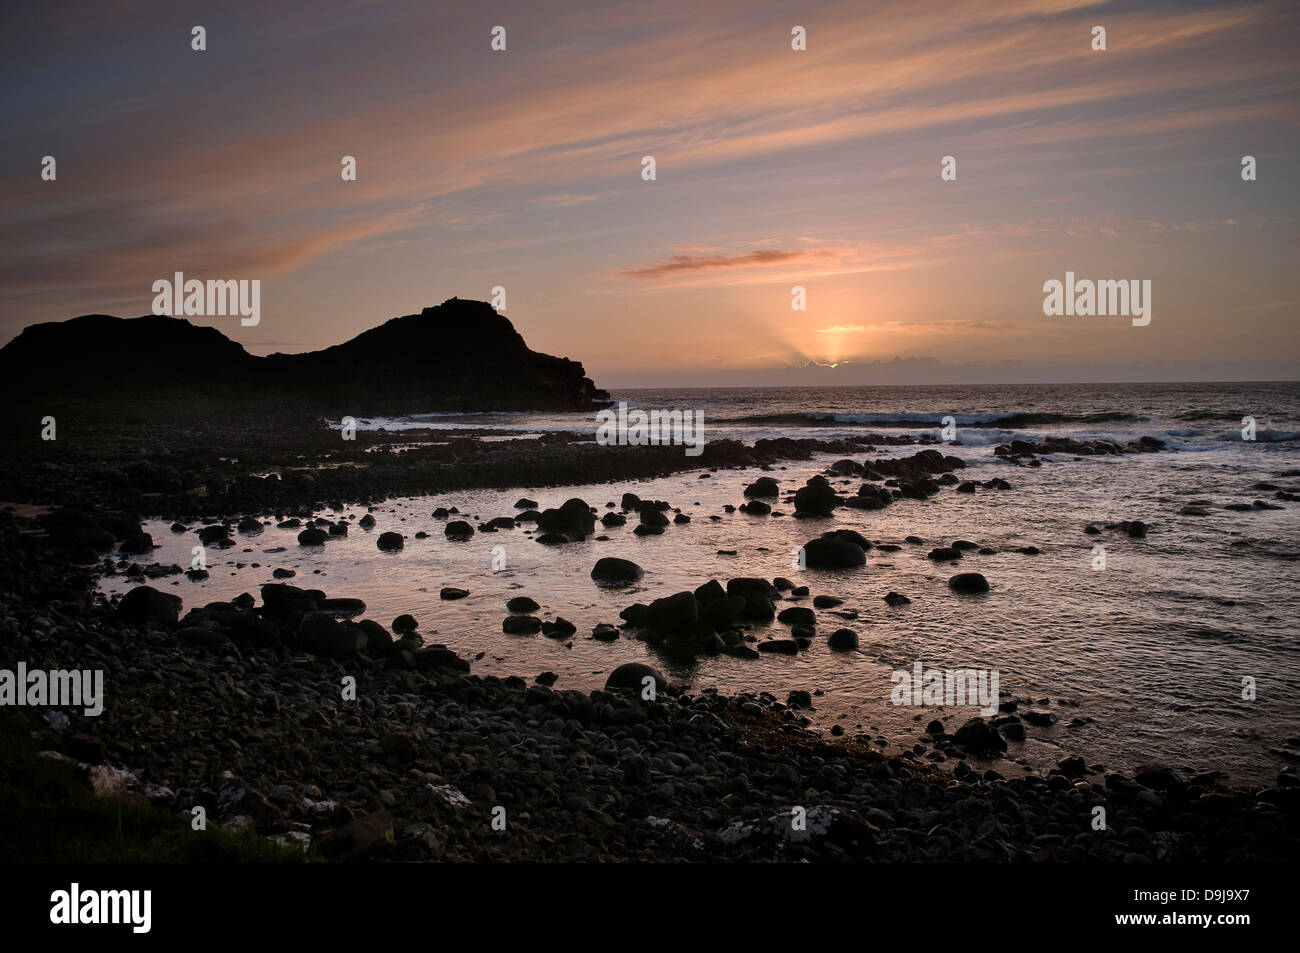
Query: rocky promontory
[[459, 355]]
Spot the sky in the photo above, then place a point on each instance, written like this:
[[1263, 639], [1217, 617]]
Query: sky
[[774, 168]]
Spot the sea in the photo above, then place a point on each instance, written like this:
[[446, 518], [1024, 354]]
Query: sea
[[1181, 648]]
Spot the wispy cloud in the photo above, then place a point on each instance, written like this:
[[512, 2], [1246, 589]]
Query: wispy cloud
[[679, 264]]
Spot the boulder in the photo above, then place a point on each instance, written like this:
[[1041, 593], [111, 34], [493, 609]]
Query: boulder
[[611, 570], [145, 605], [458, 530], [675, 614], [573, 518], [521, 625], [816, 498], [312, 536], [968, 582], [843, 640], [633, 674], [979, 737], [833, 553]]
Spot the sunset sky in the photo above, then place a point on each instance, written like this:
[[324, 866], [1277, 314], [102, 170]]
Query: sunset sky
[[775, 168]]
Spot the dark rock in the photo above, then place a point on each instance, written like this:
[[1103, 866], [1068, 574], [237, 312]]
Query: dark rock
[[797, 615], [833, 553], [313, 537], [816, 498], [439, 657], [321, 634], [675, 614], [573, 518], [561, 628], [843, 640], [763, 486], [632, 675], [968, 582], [611, 570], [978, 736], [458, 530], [145, 605], [521, 625]]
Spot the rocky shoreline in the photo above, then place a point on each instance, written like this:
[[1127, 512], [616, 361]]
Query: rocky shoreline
[[244, 708]]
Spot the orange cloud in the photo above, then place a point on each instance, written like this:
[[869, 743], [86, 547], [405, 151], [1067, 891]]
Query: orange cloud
[[697, 263]]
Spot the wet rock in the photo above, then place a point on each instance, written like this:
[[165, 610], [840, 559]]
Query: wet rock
[[763, 486], [633, 674], [521, 625], [561, 628], [843, 640], [968, 582], [758, 595], [573, 518], [816, 498], [458, 530], [1134, 528], [611, 570], [145, 605], [833, 553], [321, 634], [870, 497], [797, 615], [342, 606], [675, 614], [439, 658], [979, 737]]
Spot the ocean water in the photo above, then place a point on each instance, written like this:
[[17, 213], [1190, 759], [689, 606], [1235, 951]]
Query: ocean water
[[1146, 657]]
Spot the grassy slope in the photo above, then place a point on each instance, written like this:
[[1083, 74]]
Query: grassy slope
[[49, 814]]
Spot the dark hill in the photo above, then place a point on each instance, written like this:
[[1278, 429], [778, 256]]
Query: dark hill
[[460, 355]]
